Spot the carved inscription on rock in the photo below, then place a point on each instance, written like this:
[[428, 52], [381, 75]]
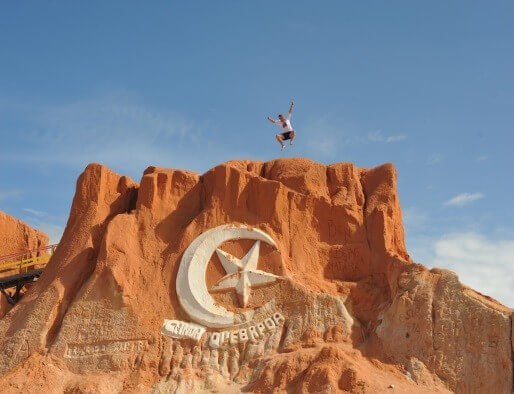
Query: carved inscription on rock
[[103, 348], [181, 329], [251, 333], [348, 261]]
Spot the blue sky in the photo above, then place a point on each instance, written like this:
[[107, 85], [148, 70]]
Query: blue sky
[[427, 86]]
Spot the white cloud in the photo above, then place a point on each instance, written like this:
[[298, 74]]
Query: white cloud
[[414, 219], [325, 146], [324, 139], [115, 130], [482, 158], [4, 195], [35, 212], [394, 138], [484, 264], [378, 136], [51, 226], [463, 199], [53, 231], [327, 140], [433, 159]]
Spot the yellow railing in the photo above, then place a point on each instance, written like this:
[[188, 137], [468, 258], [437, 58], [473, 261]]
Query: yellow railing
[[27, 259]]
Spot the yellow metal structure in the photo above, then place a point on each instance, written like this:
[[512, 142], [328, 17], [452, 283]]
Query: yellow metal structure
[[29, 259]]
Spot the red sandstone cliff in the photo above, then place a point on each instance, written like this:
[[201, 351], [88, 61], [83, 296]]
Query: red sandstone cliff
[[16, 237], [359, 314]]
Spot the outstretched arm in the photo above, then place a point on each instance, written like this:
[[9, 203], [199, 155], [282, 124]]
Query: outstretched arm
[[273, 120], [290, 110]]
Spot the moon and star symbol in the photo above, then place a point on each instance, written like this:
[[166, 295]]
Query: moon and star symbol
[[242, 273]]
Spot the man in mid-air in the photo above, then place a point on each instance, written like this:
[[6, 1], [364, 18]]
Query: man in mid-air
[[284, 122]]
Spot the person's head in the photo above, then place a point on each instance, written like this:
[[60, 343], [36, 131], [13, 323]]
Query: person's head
[[281, 117]]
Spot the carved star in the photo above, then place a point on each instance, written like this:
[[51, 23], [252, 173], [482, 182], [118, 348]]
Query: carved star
[[242, 274]]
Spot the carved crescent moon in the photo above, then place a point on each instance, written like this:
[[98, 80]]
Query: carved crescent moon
[[191, 286]]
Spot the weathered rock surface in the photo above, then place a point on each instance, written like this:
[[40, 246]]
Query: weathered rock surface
[[359, 315], [16, 237]]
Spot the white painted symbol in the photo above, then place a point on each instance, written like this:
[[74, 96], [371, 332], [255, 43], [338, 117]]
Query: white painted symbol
[[191, 287], [181, 329], [242, 274]]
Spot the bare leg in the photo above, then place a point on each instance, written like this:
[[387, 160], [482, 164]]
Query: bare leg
[[280, 140], [292, 135]]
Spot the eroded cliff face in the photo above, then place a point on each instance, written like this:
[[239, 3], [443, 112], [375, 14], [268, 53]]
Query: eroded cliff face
[[347, 310], [16, 237]]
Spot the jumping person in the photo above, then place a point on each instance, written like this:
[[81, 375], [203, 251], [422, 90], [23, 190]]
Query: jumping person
[[284, 122]]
